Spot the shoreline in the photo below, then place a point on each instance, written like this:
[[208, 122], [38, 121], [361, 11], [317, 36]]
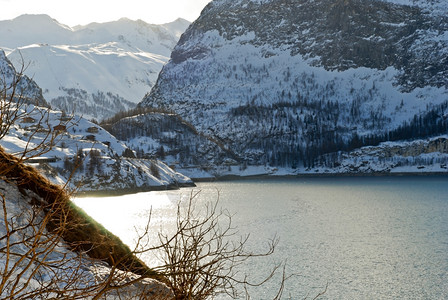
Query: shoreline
[[171, 187], [317, 175]]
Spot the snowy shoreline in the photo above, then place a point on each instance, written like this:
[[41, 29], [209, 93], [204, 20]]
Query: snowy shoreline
[[128, 191]]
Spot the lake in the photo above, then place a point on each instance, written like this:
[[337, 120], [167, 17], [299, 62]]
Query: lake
[[364, 237]]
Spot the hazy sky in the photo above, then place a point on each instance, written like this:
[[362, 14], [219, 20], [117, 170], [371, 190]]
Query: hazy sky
[[82, 12]]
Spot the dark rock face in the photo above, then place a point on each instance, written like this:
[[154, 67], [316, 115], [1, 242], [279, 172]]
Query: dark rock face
[[342, 34]]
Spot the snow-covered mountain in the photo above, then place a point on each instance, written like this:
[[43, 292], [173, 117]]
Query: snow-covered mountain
[[94, 70], [284, 83]]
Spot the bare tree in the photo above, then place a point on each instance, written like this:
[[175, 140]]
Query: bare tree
[[32, 263], [50, 249], [203, 256]]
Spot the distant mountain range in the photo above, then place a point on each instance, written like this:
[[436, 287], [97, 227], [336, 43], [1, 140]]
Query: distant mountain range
[[94, 70]]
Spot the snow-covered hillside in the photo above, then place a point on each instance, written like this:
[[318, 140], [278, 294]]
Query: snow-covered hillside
[[286, 82], [166, 136], [80, 149], [91, 155], [94, 70]]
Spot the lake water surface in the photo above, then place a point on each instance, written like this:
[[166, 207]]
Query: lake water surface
[[366, 237]]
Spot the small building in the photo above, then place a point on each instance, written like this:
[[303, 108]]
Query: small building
[[93, 129]]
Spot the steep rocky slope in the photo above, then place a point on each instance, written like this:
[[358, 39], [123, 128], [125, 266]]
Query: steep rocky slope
[[283, 82]]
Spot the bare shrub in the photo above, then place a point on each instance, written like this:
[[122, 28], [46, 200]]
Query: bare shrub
[[36, 237]]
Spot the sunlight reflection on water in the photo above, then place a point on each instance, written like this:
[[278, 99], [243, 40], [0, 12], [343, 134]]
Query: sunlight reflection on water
[[122, 215]]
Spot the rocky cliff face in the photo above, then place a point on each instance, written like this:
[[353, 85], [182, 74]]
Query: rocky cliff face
[[282, 82], [337, 35]]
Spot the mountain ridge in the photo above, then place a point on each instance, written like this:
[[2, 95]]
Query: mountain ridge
[[114, 64]]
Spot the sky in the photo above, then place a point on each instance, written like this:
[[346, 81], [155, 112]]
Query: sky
[[82, 12]]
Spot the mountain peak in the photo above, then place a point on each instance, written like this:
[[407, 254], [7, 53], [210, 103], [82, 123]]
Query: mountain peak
[[38, 20], [32, 29], [178, 20], [28, 17], [122, 59], [178, 26]]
